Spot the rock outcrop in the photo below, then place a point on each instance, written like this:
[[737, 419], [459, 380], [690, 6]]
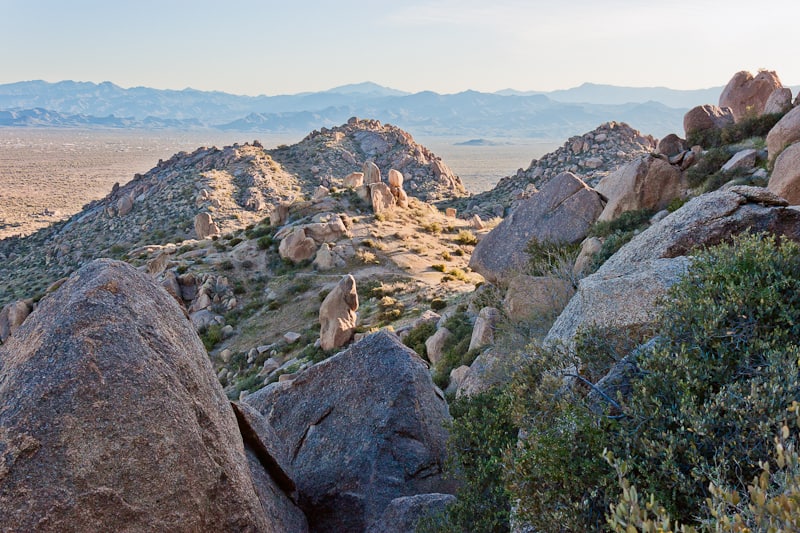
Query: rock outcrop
[[780, 101], [562, 211], [644, 183], [204, 226], [483, 329], [111, 417], [403, 514], [337, 314], [11, 318], [706, 117], [784, 133], [747, 95], [785, 178], [297, 246], [363, 427], [536, 296]]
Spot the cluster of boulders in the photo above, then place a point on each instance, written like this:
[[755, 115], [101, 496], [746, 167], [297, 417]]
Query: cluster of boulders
[[591, 156], [200, 295], [326, 155], [111, 418], [317, 239]]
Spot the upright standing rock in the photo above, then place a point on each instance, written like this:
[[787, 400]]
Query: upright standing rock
[[111, 418], [337, 314], [372, 174], [204, 226]]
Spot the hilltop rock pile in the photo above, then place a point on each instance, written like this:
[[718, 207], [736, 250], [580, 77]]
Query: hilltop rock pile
[[591, 156], [747, 95]]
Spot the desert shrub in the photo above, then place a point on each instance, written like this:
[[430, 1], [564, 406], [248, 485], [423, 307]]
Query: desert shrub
[[437, 304], [264, 242], [626, 222], [709, 163], [446, 255], [754, 126], [300, 286], [438, 267], [262, 230], [417, 336], [456, 273], [211, 336], [466, 237], [390, 309], [481, 434], [433, 227], [550, 258], [718, 382], [235, 241]]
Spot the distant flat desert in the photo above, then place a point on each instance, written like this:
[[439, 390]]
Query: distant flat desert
[[47, 175]]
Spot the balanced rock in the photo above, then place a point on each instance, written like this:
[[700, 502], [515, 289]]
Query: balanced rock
[[111, 418], [364, 427], [372, 174], [706, 117], [395, 178], [784, 133], [780, 101], [671, 145], [644, 183], [747, 95], [562, 211], [11, 318], [279, 214], [337, 314], [785, 178], [297, 247], [204, 226]]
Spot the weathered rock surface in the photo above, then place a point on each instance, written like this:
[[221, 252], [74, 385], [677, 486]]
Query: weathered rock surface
[[780, 101], [11, 318], [363, 427], [204, 226], [404, 513], [785, 178], [706, 117], [296, 246], [707, 220], [671, 145], [784, 133], [621, 302], [353, 180], [585, 259], [483, 329], [536, 296], [743, 159], [111, 417], [372, 174], [644, 183], [747, 95], [562, 211], [381, 197], [337, 314], [434, 345]]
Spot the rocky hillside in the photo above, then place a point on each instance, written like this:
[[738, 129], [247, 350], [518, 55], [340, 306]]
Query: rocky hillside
[[235, 186], [640, 305], [591, 156]]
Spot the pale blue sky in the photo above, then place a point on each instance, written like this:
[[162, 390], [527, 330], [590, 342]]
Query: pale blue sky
[[280, 47]]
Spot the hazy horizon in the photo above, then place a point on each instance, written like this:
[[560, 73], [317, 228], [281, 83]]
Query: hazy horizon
[[277, 48]]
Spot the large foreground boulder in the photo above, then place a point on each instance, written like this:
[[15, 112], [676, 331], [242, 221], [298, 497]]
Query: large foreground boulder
[[747, 95], [785, 178], [111, 418], [562, 211], [364, 427]]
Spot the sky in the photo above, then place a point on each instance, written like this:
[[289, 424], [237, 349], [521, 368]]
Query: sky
[[289, 46]]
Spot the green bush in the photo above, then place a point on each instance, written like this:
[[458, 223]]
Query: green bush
[[717, 384], [549, 258], [456, 350], [466, 237], [481, 434], [264, 242], [417, 336], [211, 336], [626, 222], [733, 133], [437, 304]]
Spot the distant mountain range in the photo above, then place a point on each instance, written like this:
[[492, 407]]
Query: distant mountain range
[[508, 113]]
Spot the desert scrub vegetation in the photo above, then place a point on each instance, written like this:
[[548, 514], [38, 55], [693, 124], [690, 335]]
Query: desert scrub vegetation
[[418, 335], [706, 398], [547, 258], [616, 233], [754, 126], [466, 237], [456, 350]]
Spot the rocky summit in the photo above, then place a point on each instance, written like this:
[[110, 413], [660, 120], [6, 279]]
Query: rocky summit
[[298, 340]]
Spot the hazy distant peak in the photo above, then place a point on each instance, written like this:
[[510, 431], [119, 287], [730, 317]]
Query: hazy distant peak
[[367, 87]]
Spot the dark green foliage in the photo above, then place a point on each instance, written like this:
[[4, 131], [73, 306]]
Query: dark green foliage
[[265, 242], [437, 304], [211, 336], [259, 231], [300, 286], [481, 434], [733, 133], [417, 336], [627, 222], [466, 237], [226, 265], [235, 241], [716, 387], [709, 164], [545, 258]]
